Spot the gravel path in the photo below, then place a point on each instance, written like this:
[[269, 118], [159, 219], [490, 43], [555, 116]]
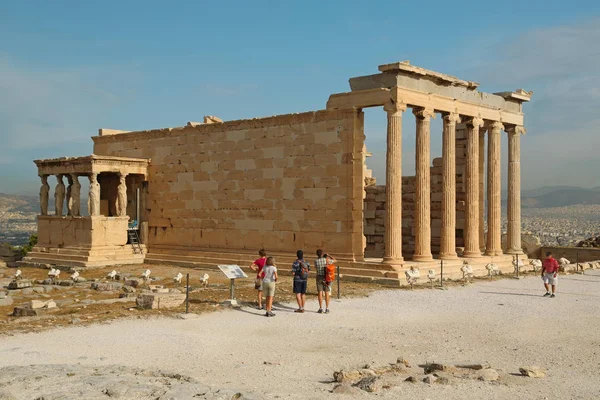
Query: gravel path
[[505, 322]]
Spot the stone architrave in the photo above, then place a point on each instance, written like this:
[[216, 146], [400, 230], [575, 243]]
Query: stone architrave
[[448, 233], [122, 196], [44, 194], [513, 237], [94, 195], [75, 196], [471, 235], [69, 190], [59, 195], [494, 235], [422, 223], [393, 193]]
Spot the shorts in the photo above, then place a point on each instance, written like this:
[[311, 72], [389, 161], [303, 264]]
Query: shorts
[[549, 278], [322, 286], [300, 286], [269, 288], [258, 284]]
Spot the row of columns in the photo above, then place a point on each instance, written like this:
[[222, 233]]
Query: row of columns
[[72, 194], [473, 234]]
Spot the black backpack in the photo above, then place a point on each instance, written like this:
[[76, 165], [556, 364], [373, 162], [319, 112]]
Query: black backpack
[[303, 273]]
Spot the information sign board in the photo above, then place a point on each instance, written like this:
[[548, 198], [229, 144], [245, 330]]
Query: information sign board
[[232, 271]]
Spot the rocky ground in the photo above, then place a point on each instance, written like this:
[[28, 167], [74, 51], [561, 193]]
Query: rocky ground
[[81, 304], [504, 325]]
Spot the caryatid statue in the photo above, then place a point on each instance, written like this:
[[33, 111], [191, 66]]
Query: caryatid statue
[[44, 194], [122, 197], [59, 195], [69, 189], [94, 196], [75, 199]]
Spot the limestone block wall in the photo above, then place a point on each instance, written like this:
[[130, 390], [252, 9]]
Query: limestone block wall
[[283, 183], [375, 208], [81, 231]]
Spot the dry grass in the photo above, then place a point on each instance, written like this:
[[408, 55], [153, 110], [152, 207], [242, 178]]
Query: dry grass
[[200, 300]]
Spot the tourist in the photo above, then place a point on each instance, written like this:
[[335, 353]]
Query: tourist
[[269, 277], [322, 286], [550, 274], [300, 270], [258, 266]]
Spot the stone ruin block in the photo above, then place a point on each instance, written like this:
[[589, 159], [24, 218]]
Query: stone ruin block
[[19, 284], [152, 301], [106, 286]]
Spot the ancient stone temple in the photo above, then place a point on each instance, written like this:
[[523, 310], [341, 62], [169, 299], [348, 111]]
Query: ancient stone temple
[[217, 191]]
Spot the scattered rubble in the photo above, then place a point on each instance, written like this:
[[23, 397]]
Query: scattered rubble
[[159, 300], [375, 379]]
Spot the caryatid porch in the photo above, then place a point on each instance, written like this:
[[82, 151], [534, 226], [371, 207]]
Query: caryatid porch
[[96, 234], [399, 86]]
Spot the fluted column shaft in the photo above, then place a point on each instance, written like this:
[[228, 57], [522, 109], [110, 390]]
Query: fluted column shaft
[[393, 192], [472, 189], [494, 235], [423, 185], [514, 190], [481, 189], [448, 234]]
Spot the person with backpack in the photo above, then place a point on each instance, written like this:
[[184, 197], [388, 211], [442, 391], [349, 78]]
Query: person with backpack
[[269, 277], [322, 286], [300, 270]]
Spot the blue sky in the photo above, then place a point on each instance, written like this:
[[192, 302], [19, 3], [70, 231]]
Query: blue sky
[[68, 68]]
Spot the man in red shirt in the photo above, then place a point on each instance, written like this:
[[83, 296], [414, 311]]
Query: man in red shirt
[[550, 274], [258, 266]]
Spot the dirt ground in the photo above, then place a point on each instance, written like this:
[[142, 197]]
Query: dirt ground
[[200, 300], [506, 322]]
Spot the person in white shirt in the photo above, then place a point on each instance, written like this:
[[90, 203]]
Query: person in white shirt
[[269, 277]]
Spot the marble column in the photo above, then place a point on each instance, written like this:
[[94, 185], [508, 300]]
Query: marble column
[[513, 242], [422, 214], [69, 189], [482, 189], [494, 234], [44, 194], [122, 196], [393, 192], [75, 196], [448, 233], [94, 196], [59, 196], [472, 189]]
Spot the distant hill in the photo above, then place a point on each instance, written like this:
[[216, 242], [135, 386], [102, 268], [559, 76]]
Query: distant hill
[[558, 196]]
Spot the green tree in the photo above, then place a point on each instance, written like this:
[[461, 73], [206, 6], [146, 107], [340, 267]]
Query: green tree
[[32, 242]]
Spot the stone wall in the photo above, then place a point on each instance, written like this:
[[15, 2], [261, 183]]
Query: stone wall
[[571, 253], [375, 207], [61, 232], [283, 183]]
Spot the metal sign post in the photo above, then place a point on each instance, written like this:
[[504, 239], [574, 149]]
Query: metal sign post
[[232, 272], [338, 281], [442, 274], [187, 293]]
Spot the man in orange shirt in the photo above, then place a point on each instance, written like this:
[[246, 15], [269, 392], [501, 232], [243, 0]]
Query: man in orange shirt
[[550, 274]]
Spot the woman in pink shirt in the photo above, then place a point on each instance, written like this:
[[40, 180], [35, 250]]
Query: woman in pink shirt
[[258, 266]]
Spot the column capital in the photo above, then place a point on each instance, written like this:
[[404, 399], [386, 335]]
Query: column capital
[[423, 113], [515, 130], [394, 108], [451, 117], [495, 125], [474, 122]]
